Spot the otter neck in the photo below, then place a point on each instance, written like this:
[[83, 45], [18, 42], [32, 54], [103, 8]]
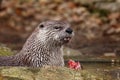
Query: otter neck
[[37, 53]]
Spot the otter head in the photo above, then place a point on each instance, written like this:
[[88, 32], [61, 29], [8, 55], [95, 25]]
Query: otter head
[[54, 32]]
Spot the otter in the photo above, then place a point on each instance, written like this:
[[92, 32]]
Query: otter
[[43, 47]]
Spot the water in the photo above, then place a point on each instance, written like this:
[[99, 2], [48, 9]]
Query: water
[[110, 69], [102, 68], [101, 65]]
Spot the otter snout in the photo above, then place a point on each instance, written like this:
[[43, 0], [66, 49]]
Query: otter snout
[[69, 30]]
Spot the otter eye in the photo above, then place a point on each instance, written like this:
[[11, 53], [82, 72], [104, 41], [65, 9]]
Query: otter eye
[[58, 27], [41, 26]]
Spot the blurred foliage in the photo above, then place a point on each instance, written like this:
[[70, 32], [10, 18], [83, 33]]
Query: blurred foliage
[[101, 12], [93, 21]]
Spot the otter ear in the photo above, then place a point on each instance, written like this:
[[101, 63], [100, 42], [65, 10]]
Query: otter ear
[[41, 26]]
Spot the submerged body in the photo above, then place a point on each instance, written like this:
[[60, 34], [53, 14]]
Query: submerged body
[[43, 47]]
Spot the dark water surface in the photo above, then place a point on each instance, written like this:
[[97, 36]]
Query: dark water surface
[[100, 65], [102, 68], [111, 69]]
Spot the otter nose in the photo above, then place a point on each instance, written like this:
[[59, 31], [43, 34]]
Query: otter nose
[[69, 30]]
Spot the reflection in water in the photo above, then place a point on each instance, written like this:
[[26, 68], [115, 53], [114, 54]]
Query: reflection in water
[[118, 76], [101, 65], [112, 69]]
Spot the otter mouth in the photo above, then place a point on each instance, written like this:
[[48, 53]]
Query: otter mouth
[[66, 39]]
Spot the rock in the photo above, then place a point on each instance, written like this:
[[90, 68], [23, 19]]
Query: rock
[[71, 52], [46, 73], [110, 54], [115, 73]]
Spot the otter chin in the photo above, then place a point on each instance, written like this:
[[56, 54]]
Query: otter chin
[[43, 47], [65, 40]]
